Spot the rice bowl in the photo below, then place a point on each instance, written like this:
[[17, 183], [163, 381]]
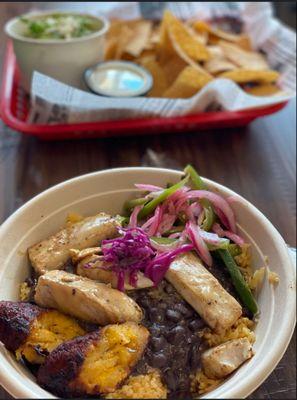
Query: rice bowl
[[43, 215]]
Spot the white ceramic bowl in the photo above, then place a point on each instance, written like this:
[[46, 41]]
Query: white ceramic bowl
[[107, 190], [64, 60]]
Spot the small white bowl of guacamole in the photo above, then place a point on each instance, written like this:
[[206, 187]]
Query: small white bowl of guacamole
[[59, 44]]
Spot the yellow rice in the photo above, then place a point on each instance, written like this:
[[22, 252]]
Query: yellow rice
[[242, 328], [253, 278], [24, 291], [202, 384], [148, 386], [273, 277]]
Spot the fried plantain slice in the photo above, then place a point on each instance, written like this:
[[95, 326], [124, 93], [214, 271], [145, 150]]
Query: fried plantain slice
[[33, 332], [95, 363]]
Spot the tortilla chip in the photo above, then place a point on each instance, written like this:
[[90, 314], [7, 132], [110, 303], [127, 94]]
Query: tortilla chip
[[154, 38], [245, 76], [115, 28], [160, 83], [146, 53], [112, 38], [188, 83], [268, 89], [244, 42], [142, 32], [184, 39], [215, 52], [126, 34], [202, 26], [110, 48], [164, 48], [245, 59], [217, 65], [173, 67]]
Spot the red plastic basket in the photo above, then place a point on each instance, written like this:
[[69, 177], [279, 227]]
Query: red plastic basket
[[14, 107]]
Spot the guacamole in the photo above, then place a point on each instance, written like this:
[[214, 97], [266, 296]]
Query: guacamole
[[60, 26]]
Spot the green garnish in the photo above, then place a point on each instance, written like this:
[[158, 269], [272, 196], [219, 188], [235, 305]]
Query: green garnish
[[207, 207], [59, 26], [163, 240], [234, 249], [152, 204], [239, 282], [130, 204]]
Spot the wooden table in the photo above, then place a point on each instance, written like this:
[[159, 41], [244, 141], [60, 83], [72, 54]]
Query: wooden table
[[259, 162]]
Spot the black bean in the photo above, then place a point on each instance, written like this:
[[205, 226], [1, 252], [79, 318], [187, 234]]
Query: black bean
[[158, 360], [158, 343], [196, 324], [173, 315], [169, 289], [195, 339], [195, 357], [175, 335], [184, 310], [171, 380], [155, 330], [143, 301], [163, 306], [155, 315]]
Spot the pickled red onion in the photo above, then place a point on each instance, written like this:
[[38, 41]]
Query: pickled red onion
[[194, 235], [230, 235], [219, 202]]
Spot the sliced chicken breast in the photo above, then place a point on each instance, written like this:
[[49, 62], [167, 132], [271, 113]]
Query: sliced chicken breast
[[52, 253], [220, 361], [85, 299], [93, 267], [204, 292]]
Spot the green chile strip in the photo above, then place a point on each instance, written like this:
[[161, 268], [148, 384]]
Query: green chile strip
[[163, 240], [130, 204], [239, 282], [200, 185], [151, 206]]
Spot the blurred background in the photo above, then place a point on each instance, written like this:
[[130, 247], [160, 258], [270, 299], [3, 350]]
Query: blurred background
[[286, 12]]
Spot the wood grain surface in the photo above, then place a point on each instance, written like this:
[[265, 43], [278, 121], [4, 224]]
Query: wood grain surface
[[258, 161]]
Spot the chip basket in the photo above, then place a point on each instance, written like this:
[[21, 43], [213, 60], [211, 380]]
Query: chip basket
[[15, 103]]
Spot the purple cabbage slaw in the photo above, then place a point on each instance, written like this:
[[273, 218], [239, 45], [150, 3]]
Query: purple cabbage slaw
[[133, 251]]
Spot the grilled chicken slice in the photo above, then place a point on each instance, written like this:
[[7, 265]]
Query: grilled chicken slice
[[85, 299], [52, 253], [95, 363], [93, 267], [33, 332], [204, 292], [220, 361]]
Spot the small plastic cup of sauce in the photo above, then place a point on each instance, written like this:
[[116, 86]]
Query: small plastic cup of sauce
[[118, 79]]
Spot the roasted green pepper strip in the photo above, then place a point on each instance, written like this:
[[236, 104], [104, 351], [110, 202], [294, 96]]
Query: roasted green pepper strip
[[239, 282], [234, 249], [123, 221], [209, 215], [130, 204], [200, 185], [174, 229], [224, 244], [162, 240], [152, 204], [195, 178]]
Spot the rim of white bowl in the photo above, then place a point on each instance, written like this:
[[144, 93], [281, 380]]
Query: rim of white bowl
[[9, 28], [257, 375]]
